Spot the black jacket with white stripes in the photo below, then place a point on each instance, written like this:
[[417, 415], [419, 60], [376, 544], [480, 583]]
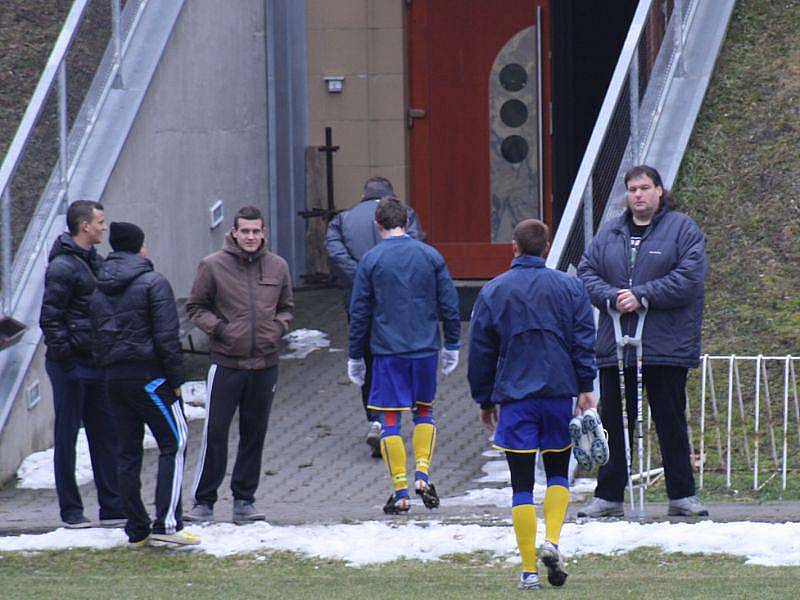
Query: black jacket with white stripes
[[135, 321]]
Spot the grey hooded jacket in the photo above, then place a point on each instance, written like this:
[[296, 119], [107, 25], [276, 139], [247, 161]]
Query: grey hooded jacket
[[669, 271]]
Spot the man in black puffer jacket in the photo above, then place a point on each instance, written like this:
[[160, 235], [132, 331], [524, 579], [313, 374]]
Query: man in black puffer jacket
[[135, 340], [79, 392]]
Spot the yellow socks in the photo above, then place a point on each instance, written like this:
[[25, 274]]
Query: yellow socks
[[424, 441], [556, 499], [524, 518], [394, 456]]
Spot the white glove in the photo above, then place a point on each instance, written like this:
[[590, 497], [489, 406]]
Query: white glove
[[356, 370], [449, 361]]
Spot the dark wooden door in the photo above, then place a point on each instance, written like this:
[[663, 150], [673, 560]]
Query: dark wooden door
[[479, 161]]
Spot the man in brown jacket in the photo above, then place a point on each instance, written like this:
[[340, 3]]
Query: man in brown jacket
[[241, 298]]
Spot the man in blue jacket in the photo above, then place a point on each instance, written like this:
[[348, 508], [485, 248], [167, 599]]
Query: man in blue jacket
[[135, 340], [350, 235], [402, 289], [655, 253], [531, 350]]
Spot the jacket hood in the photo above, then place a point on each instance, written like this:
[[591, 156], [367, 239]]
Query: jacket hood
[[64, 244], [231, 247], [119, 270]]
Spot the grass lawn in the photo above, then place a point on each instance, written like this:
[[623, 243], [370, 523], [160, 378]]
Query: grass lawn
[[161, 573]]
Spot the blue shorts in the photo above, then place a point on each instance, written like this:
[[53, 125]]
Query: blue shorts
[[400, 383], [534, 424]]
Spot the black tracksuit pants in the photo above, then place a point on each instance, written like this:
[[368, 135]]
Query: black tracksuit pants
[[666, 392], [80, 395], [136, 403], [251, 391]]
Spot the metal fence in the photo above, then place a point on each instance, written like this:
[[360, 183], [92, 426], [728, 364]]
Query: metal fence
[[748, 417], [649, 61], [42, 158]]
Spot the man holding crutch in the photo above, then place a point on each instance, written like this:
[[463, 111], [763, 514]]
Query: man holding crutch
[[655, 253]]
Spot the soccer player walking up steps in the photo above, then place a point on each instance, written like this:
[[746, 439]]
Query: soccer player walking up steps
[[402, 289], [531, 350]]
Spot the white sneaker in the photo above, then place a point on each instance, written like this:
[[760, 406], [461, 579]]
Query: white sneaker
[[179, 538], [529, 582], [581, 449], [596, 435]]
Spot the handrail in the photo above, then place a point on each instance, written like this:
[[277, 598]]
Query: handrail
[[39, 97], [616, 87]]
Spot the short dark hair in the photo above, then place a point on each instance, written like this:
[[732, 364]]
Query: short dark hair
[[249, 212], [654, 176], [531, 236], [391, 213], [79, 212], [377, 187]]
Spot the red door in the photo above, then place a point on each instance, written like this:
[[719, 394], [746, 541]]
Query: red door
[[479, 161]]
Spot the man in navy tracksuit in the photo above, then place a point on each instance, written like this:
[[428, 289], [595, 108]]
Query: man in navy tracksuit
[[79, 391], [402, 289], [135, 340], [531, 350], [350, 235], [655, 253]]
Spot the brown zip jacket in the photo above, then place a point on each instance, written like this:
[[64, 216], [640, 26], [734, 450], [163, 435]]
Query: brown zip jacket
[[244, 302]]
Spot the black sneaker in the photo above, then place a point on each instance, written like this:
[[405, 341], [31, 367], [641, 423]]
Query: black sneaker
[[396, 505], [427, 492], [554, 561], [77, 522]]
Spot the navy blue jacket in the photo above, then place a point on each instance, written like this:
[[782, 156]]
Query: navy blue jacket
[[68, 284], [669, 271], [135, 322], [531, 336], [402, 289], [352, 233]]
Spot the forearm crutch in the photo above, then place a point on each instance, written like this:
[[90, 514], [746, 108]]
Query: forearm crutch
[[621, 342]]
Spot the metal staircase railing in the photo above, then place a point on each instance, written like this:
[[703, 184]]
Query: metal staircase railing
[[17, 264], [649, 61]]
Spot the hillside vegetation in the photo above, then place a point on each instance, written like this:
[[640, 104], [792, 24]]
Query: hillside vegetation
[[741, 181]]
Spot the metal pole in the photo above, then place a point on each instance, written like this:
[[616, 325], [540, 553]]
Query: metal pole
[[715, 411], [756, 436], [770, 419], [785, 420], [740, 401], [588, 214], [633, 101], [5, 242], [62, 129], [116, 37], [730, 411], [677, 14], [703, 418], [329, 166]]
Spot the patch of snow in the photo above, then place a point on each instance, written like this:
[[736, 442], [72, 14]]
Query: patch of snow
[[36, 471], [303, 342], [770, 544]]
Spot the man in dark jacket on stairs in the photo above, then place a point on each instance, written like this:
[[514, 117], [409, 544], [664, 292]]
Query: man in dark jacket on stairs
[[79, 392], [135, 340]]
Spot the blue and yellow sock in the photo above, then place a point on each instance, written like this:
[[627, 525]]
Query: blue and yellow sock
[[556, 499], [424, 442], [393, 452]]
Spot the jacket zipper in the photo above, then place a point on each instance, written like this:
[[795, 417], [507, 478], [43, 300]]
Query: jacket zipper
[[252, 314]]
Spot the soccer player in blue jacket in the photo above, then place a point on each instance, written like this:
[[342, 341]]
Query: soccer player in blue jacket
[[531, 350], [401, 290]]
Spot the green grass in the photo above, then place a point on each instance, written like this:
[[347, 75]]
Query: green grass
[[157, 573], [740, 179]]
